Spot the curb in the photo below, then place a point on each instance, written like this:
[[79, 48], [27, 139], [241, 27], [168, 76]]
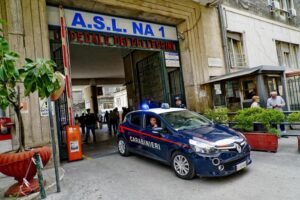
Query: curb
[[47, 188]]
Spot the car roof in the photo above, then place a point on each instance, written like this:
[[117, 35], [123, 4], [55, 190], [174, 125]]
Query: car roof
[[162, 110]]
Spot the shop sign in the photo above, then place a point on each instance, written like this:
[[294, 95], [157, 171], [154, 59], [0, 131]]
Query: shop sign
[[172, 59], [81, 37], [109, 24]]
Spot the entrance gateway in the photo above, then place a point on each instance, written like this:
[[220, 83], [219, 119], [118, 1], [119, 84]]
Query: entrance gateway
[[150, 54]]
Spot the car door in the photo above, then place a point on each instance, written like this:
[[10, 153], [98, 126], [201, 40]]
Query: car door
[[157, 143], [132, 129]]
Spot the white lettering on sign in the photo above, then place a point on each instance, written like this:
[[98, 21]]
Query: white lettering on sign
[[147, 143], [109, 24]]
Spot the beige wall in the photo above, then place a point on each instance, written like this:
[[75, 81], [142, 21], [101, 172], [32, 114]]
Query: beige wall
[[27, 33], [198, 26], [199, 30]]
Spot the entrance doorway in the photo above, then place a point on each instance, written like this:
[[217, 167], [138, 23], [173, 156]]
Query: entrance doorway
[[114, 71]]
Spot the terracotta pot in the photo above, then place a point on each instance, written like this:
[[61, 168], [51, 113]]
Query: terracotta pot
[[19, 166], [62, 82], [262, 141]]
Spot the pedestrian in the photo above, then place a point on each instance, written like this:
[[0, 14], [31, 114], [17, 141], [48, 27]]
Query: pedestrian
[[106, 117], [178, 102], [276, 102], [82, 121], [91, 121], [255, 102], [109, 122], [76, 119], [124, 112], [115, 119]]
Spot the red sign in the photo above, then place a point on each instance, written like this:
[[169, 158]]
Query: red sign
[[119, 41], [5, 128]]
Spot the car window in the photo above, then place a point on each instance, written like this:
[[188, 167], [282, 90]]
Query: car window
[[181, 120], [135, 119], [152, 121]]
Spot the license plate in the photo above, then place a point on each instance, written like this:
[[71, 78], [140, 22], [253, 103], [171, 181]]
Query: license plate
[[241, 166]]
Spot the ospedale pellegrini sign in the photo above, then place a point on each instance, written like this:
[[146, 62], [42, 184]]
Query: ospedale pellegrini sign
[[109, 24]]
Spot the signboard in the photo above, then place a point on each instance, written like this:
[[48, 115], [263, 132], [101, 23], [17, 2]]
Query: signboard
[[44, 110], [109, 24], [172, 59], [102, 39]]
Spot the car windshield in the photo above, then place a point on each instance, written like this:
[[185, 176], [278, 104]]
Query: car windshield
[[185, 120]]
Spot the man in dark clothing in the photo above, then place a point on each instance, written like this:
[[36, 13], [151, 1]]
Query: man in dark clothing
[[106, 117], [115, 120], [178, 103], [91, 121], [82, 121], [109, 122]]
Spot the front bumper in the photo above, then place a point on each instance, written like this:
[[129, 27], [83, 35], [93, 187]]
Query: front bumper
[[229, 163]]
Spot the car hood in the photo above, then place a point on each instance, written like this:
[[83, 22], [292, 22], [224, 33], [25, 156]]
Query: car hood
[[214, 134]]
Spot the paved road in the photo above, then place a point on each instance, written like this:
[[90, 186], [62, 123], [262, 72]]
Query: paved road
[[272, 176]]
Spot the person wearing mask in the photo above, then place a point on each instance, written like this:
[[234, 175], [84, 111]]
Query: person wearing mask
[[276, 102], [178, 103], [255, 102]]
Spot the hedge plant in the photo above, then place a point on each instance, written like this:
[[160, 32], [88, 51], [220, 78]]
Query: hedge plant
[[218, 115], [294, 117]]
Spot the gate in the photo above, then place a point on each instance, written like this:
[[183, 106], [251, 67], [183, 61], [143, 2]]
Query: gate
[[293, 86], [61, 107]]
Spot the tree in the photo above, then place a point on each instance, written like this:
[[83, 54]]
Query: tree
[[33, 76]]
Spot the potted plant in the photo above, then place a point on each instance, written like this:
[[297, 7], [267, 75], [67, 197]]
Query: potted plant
[[266, 140], [33, 76], [295, 118], [218, 115]]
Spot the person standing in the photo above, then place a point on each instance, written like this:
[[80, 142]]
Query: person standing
[[276, 102], [109, 122], [106, 117], [82, 121], [91, 121], [255, 102], [178, 103], [115, 120]]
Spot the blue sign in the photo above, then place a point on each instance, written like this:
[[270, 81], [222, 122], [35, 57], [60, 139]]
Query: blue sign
[[109, 24]]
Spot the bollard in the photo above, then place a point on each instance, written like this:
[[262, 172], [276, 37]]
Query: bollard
[[39, 167]]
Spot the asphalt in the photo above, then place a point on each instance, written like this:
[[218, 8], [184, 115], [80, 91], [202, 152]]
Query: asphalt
[[271, 176]]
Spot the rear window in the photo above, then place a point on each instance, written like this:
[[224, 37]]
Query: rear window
[[135, 119]]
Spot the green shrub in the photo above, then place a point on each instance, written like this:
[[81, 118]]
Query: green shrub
[[218, 115], [245, 118], [294, 117]]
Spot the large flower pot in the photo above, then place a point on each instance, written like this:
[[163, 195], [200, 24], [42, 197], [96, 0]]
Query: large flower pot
[[262, 141], [20, 166], [61, 78]]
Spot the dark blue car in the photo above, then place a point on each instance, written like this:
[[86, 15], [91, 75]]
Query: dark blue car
[[187, 141]]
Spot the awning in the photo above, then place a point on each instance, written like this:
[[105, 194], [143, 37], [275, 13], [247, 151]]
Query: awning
[[292, 72], [248, 71]]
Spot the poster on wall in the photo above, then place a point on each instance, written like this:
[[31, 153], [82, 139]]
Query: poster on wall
[[44, 110], [5, 134], [172, 59]]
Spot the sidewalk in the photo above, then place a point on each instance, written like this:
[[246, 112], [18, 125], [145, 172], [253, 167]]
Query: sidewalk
[[49, 177]]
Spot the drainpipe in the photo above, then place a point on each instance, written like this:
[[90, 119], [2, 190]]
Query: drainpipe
[[224, 37]]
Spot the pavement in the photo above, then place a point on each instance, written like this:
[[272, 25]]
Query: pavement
[[105, 175], [271, 176]]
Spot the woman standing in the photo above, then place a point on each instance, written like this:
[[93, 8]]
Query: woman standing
[[255, 102]]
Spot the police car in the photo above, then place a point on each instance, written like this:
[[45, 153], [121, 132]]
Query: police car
[[189, 142]]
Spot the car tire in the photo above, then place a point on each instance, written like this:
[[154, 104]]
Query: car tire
[[123, 147], [182, 166]]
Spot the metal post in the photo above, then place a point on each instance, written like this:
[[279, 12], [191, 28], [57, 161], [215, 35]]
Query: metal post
[[38, 165], [53, 145]]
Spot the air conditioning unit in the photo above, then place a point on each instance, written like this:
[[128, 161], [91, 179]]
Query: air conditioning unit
[[292, 13], [274, 5]]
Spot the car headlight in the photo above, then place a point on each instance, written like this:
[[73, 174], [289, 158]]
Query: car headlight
[[201, 146]]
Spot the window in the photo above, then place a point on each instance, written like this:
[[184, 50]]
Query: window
[[288, 54], [136, 119], [249, 88], [285, 4], [152, 121], [235, 49]]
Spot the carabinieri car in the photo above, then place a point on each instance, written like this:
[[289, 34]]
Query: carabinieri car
[[190, 143]]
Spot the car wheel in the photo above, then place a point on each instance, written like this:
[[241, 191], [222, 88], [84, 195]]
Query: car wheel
[[122, 147], [182, 166]]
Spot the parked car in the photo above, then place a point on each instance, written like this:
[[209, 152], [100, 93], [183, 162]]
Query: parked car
[[185, 140]]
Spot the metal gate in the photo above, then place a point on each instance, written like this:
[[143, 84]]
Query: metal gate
[[61, 107], [293, 86]]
